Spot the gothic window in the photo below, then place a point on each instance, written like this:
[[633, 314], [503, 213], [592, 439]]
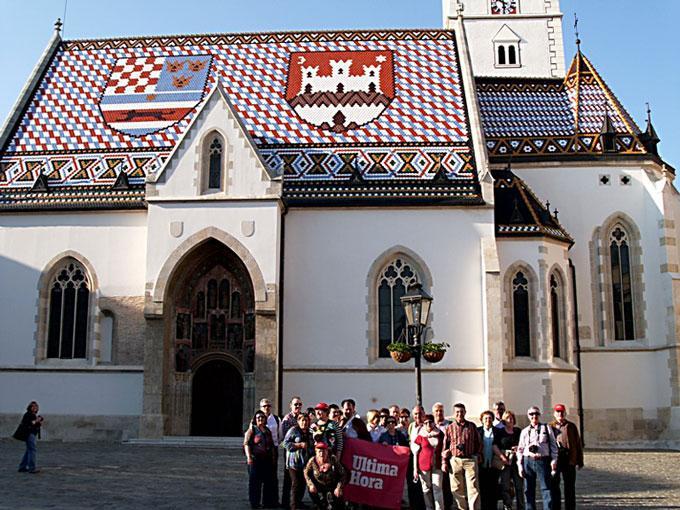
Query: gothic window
[[215, 172], [521, 314], [213, 162], [68, 313], [556, 315], [501, 55], [622, 287], [392, 284]]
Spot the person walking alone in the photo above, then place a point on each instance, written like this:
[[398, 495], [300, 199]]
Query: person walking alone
[[28, 431]]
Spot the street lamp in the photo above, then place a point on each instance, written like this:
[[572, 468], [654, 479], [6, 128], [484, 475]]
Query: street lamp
[[416, 303]]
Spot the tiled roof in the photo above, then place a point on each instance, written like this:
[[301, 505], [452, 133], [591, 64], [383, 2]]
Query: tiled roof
[[552, 117], [84, 123], [519, 213]]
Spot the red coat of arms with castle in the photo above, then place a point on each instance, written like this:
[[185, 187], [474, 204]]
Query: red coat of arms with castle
[[340, 90]]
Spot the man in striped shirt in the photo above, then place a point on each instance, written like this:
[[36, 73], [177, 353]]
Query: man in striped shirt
[[463, 448]]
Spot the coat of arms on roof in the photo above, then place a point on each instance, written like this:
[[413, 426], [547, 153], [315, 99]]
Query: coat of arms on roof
[[340, 90], [148, 94]]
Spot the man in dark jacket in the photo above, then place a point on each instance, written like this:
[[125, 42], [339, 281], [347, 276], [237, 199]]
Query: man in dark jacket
[[569, 459]]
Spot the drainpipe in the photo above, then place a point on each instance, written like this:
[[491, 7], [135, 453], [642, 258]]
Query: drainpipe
[[579, 379], [279, 397]]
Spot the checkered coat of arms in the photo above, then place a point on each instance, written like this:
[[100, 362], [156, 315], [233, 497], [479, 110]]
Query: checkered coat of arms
[[144, 95]]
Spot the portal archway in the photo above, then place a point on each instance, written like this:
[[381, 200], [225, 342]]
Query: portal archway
[[210, 336], [216, 399]]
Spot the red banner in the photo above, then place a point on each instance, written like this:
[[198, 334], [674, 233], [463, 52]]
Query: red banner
[[376, 473]]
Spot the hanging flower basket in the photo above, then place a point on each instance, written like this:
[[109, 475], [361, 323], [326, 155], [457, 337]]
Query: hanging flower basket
[[400, 352], [433, 352]]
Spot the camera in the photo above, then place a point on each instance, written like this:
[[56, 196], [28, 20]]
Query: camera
[[533, 449], [460, 447]]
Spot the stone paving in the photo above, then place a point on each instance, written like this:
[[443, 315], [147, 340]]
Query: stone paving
[[106, 475]]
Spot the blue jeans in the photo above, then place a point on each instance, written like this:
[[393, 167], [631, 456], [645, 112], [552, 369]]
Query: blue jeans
[[537, 469], [28, 460]]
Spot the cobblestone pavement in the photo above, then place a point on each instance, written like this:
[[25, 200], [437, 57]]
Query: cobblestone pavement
[[97, 475]]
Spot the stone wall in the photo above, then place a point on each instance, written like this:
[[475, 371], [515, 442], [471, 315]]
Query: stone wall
[[128, 328], [66, 427]]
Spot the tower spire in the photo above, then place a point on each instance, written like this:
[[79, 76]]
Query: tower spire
[[578, 40], [649, 138]]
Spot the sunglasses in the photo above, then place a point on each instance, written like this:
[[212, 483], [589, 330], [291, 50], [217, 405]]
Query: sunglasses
[[297, 405], [534, 414]]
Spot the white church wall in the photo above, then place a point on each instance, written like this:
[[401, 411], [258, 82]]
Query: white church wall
[[328, 256], [533, 45], [577, 190], [255, 224], [113, 243], [624, 381], [544, 389], [375, 390]]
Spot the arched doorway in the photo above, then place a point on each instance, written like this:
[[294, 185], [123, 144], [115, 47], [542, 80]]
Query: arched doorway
[[216, 400], [211, 329]]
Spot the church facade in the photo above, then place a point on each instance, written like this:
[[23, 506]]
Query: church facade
[[191, 223]]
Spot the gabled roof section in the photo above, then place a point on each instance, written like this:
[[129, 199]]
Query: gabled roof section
[[537, 118], [318, 107], [506, 34], [592, 100], [520, 214]]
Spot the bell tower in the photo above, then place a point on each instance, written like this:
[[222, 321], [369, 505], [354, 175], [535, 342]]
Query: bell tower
[[511, 37]]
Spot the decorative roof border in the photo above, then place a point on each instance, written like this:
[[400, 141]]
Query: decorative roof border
[[256, 38], [560, 145]]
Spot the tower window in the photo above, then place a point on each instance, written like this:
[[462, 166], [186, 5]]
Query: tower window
[[512, 55], [501, 55]]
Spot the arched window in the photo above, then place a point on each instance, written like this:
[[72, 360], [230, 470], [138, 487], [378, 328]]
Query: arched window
[[512, 55], [215, 170], [68, 312], [501, 55], [556, 304], [521, 319], [622, 285], [392, 284]]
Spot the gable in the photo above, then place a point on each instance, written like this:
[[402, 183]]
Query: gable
[[184, 174], [506, 34]]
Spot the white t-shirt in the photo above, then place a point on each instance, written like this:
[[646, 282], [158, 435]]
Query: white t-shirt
[[273, 425]]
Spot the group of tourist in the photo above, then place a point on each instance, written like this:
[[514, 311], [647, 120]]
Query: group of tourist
[[453, 463]]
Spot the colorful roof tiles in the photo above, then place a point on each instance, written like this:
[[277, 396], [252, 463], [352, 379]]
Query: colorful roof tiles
[[121, 105], [552, 117]]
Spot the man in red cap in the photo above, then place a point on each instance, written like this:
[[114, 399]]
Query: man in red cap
[[326, 430], [569, 458], [325, 478]]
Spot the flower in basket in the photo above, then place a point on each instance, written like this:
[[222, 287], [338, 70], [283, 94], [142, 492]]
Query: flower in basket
[[434, 347]]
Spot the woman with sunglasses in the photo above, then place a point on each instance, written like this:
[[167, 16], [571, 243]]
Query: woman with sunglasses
[[259, 449], [392, 436]]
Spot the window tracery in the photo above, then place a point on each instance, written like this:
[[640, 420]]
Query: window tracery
[[68, 312], [392, 283], [622, 285], [521, 314]]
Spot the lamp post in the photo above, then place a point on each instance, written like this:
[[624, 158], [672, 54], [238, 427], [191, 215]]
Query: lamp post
[[416, 303]]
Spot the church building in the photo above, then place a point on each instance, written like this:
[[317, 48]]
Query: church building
[[191, 223]]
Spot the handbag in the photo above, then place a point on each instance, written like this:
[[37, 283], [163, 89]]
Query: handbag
[[21, 433], [497, 463]]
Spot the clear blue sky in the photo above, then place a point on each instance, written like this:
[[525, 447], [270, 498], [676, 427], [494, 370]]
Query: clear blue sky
[[632, 43]]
